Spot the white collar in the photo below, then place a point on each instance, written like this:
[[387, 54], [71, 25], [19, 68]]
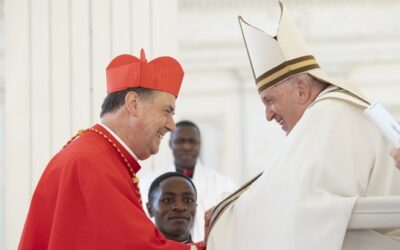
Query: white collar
[[119, 140]]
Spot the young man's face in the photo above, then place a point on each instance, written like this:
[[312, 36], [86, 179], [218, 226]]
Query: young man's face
[[185, 144], [174, 208], [156, 119]]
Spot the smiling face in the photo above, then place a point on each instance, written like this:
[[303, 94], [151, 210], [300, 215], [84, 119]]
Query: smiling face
[[154, 120], [282, 104], [185, 144], [174, 208]]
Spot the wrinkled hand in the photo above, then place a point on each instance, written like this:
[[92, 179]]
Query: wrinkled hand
[[396, 156]]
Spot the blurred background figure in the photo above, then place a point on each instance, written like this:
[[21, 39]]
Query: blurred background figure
[[172, 203], [212, 187]]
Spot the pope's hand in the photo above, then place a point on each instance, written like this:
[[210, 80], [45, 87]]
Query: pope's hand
[[207, 219], [396, 156]]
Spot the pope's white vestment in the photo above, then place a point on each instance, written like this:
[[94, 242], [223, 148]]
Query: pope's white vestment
[[304, 199]]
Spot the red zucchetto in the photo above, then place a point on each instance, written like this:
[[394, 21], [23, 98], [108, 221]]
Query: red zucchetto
[[162, 74]]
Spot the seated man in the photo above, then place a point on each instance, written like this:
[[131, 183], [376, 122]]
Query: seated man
[[332, 156], [172, 202]]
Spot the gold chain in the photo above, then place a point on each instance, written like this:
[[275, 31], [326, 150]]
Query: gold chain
[[135, 179]]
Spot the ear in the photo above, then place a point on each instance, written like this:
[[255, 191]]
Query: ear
[[149, 209], [132, 103], [303, 91]]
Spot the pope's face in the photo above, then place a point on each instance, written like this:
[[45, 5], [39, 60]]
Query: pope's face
[[281, 106], [174, 208], [185, 144], [156, 119]]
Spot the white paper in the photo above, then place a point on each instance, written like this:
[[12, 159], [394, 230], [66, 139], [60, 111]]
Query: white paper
[[385, 121]]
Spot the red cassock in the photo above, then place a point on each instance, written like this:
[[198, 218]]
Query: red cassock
[[86, 199]]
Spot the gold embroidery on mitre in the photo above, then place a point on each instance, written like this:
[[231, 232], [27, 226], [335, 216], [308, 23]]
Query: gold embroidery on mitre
[[285, 70]]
